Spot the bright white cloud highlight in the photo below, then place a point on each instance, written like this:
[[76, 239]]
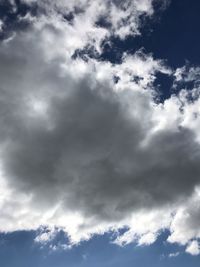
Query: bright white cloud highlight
[[193, 248]]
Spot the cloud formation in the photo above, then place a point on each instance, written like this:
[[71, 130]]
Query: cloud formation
[[85, 144]]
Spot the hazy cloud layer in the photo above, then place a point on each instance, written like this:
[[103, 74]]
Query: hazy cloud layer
[[85, 145]]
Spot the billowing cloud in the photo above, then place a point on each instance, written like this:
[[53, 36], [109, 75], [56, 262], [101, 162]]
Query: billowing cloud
[[85, 146]]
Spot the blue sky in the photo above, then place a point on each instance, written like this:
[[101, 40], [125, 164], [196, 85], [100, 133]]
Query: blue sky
[[18, 249], [99, 133], [172, 35]]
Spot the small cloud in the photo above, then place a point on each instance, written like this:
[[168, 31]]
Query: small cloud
[[59, 247], [193, 248], [45, 236], [173, 255], [85, 256], [1, 25]]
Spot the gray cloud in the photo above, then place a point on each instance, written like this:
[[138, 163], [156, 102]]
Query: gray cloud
[[88, 153], [74, 141]]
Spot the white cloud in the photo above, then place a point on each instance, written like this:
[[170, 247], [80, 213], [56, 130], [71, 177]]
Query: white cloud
[[1, 25], [46, 236], [123, 17], [187, 74], [185, 224], [193, 248], [173, 255]]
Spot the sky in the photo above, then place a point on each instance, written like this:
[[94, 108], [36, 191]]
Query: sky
[[99, 133]]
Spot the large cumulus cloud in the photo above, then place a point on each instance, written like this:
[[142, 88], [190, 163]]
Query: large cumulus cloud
[[85, 145]]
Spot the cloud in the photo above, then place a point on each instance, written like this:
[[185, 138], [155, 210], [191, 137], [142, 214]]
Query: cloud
[[185, 223], [82, 18], [85, 145], [1, 25], [193, 248], [173, 255]]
